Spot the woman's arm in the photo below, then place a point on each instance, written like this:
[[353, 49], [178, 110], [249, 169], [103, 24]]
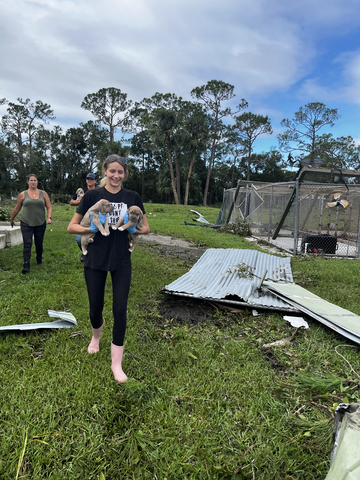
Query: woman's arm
[[17, 208], [75, 227], [48, 207], [145, 229]]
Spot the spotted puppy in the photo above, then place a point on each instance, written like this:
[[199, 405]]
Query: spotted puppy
[[79, 194], [131, 221], [102, 206]]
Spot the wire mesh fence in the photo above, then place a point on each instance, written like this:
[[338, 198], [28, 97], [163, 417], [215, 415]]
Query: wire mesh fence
[[308, 218]]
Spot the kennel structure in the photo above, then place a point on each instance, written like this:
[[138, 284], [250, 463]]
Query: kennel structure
[[302, 216]]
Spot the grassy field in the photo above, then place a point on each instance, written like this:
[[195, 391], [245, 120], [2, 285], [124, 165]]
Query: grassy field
[[204, 401]]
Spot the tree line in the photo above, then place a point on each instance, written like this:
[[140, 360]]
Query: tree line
[[179, 151]]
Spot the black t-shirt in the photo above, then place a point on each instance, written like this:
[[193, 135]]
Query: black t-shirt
[[108, 253], [74, 197]]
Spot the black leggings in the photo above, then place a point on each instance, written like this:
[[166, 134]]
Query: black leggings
[[27, 234], [95, 282]]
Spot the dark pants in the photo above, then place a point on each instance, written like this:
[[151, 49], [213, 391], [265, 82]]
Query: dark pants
[[95, 282], [78, 241], [27, 234]]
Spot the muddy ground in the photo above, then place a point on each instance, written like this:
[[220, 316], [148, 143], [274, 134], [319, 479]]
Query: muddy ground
[[174, 307], [166, 246]]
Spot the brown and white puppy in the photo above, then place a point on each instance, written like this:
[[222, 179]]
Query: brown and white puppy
[[79, 194], [103, 206], [133, 218]]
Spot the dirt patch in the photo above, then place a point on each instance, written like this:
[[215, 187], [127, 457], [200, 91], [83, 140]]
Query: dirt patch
[[185, 310], [166, 240], [166, 246]]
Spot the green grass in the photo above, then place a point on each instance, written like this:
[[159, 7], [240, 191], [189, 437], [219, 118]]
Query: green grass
[[205, 400]]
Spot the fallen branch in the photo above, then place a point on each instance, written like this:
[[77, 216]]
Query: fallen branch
[[282, 342]]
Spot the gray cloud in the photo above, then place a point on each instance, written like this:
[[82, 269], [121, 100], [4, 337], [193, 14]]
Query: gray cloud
[[59, 51]]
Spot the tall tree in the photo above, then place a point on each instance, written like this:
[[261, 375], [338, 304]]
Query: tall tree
[[267, 167], [160, 116], [106, 105], [303, 131], [19, 126], [249, 127], [233, 149], [213, 94], [195, 133], [341, 152]]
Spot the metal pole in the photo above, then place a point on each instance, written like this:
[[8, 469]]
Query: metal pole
[[246, 202], [296, 219], [270, 211], [227, 220]]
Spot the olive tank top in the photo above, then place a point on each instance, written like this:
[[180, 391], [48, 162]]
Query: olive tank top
[[33, 213]]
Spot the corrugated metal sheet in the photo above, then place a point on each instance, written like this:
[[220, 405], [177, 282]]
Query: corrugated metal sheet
[[232, 276], [337, 318]]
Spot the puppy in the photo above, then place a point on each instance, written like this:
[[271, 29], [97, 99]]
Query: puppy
[[103, 206], [79, 194], [131, 221]]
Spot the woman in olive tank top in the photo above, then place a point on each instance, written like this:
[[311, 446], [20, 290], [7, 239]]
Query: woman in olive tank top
[[32, 220]]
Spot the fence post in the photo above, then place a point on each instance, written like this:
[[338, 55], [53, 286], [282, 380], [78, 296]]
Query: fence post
[[270, 211], [251, 207], [296, 216], [227, 220], [358, 239]]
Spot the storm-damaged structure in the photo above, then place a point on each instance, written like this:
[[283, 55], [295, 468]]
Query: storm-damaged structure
[[257, 280], [306, 215]]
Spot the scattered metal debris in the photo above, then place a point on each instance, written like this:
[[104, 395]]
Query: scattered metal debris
[[223, 276], [215, 277], [296, 321], [338, 319], [345, 456], [67, 320], [201, 219]]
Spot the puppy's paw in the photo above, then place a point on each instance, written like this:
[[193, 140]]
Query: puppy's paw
[[121, 229], [85, 253], [91, 240], [106, 234], [113, 227]]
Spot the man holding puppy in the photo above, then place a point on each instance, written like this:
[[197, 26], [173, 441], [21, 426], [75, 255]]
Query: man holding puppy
[[90, 185], [76, 199]]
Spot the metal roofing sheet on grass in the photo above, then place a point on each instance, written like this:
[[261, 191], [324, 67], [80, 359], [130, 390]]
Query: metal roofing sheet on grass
[[337, 318], [217, 276]]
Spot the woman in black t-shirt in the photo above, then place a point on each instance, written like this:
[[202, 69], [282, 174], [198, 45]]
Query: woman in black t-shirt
[[109, 254]]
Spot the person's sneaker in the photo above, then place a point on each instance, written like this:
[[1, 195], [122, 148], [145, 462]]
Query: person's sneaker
[[39, 263], [26, 267]]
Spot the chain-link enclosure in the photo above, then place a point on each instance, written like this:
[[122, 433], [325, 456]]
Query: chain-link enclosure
[[308, 217]]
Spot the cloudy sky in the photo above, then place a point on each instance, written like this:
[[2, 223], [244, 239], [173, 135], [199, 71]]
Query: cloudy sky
[[278, 54]]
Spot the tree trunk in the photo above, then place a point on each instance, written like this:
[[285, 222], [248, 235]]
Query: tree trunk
[[142, 175], [248, 166], [171, 170], [209, 171], [188, 179], [177, 170]]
